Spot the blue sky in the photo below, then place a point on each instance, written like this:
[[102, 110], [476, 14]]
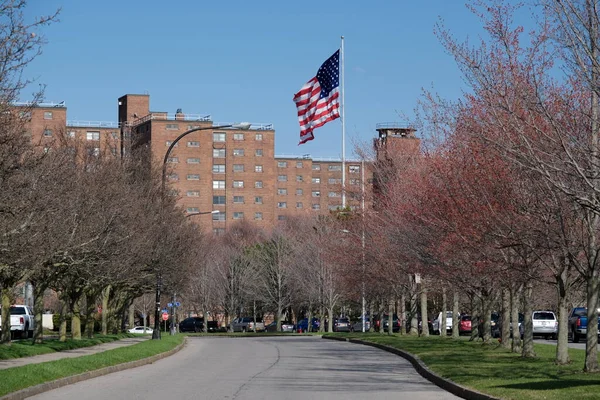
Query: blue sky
[[243, 61]]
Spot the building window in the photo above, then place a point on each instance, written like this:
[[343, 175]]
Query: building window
[[334, 181], [218, 184], [355, 181], [316, 193], [258, 200], [238, 199], [299, 204], [282, 178], [316, 167], [193, 144], [238, 136], [282, 164], [92, 135], [218, 153], [26, 115], [282, 192], [238, 184], [298, 164], [334, 207], [173, 177], [299, 192], [168, 143], [316, 206], [335, 168], [190, 127], [282, 204], [220, 216], [193, 193], [193, 177], [258, 136], [218, 168], [354, 169], [114, 135], [71, 134], [258, 215], [218, 200], [48, 115], [258, 168], [191, 210], [258, 152], [238, 167], [258, 184], [334, 194], [47, 132], [193, 160], [172, 127], [173, 160], [316, 180], [218, 231], [238, 152], [238, 215], [219, 137], [299, 178], [281, 217]]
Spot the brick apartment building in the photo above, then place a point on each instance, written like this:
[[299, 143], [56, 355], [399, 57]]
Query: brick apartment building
[[233, 171]]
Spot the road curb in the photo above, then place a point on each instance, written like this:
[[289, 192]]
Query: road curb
[[425, 372], [44, 387]]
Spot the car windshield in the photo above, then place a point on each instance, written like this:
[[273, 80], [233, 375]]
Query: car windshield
[[344, 320], [544, 315], [17, 310], [466, 318]]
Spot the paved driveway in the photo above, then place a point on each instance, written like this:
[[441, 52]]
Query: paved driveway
[[295, 368]]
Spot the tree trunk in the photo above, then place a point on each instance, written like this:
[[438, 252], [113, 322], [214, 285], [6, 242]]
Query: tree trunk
[[402, 313], [455, 315], [62, 329], [486, 308], [424, 316], [476, 313], [76, 321], [105, 297], [514, 317], [6, 301], [414, 321], [381, 311], [528, 350], [131, 318], [391, 316], [90, 307], [442, 321], [505, 322], [38, 310], [330, 321]]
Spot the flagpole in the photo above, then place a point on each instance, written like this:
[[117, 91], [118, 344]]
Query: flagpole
[[343, 109]]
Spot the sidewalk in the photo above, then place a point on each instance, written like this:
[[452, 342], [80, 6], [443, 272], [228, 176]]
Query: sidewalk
[[59, 355]]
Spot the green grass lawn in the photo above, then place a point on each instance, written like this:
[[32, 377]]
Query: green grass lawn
[[497, 372], [24, 348], [17, 378]]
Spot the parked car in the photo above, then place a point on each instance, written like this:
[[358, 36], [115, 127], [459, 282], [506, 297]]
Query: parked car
[[286, 326], [213, 326], [435, 325], [495, 325], [545, 324], [192, 324], [578, 323], [246, 324], [464, 325], [385, 321], [341, 325], [357, 326], [302, 325], [521, 328], [22, 321], [140, 329]]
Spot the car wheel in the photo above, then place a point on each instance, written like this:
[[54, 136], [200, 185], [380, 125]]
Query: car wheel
[[30, 334], [244, 329], [575, 337], [196, 330]]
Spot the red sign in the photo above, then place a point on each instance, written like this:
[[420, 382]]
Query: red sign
[[165, 316]]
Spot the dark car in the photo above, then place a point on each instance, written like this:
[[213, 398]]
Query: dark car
[[213, 326], [341, 325], [192, 324], [395, 323], [302, 325]]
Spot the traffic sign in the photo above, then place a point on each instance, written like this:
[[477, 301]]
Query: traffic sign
[[177, 304], [165, 316], [169, 305], [164, 310]]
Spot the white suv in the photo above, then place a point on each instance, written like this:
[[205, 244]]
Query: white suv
[[544, 324]]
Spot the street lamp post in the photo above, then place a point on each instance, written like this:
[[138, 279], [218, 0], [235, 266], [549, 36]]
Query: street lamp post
[[243, 126]]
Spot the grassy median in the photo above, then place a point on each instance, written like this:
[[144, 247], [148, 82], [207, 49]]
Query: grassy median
[[497, 372], [13, 379], [24, 348]]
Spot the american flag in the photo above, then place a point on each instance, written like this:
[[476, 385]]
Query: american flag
[[318, 100]]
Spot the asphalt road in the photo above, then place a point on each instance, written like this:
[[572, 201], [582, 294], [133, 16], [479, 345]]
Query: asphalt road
[[294, 368]]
